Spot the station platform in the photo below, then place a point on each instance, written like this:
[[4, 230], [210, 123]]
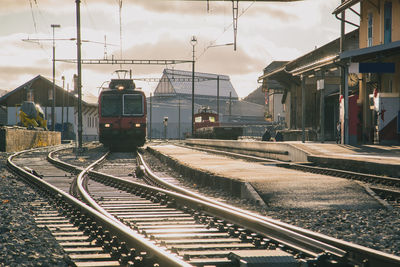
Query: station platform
[[277, 187], [371, 159]]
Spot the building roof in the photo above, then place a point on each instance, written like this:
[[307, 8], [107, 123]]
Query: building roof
[[322, 56], [274, 65], [257, 96], [372, 52], [180, 82], [271, 83], [28, 84]]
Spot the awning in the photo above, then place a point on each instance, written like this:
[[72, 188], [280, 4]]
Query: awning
[[345, 5], [314, 65], [366, 53], [271, 73]]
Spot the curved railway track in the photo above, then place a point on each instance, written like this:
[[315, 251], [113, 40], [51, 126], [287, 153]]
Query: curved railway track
[[138, 224]]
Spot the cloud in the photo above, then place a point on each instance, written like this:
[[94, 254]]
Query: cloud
[[12, 77], [219, 59]]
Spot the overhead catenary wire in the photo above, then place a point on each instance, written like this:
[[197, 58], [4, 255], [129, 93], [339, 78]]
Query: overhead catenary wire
[[226, 28], [33, 17]]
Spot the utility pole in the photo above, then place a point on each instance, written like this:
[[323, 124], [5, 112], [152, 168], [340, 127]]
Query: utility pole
[[193, 42], [344, 90], [218, 96], [322, 107], [179, 118], [230, 106], [62, 106], [53, 123], [303, 108], [79, 66], [151, 112]]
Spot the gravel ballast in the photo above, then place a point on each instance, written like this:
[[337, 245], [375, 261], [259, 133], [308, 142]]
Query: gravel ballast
[[22, 242]]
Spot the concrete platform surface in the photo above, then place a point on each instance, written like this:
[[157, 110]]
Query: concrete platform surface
[[372, 159], [279, 187], [371, 153]]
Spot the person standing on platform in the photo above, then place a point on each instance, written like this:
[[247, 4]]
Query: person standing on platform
[[338, 129]]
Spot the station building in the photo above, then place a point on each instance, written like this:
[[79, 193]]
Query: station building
[[172, 98], [40, 90], [316, 108], [376, 64]]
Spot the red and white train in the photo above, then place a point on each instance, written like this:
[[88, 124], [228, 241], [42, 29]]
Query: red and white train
[[122, 115]]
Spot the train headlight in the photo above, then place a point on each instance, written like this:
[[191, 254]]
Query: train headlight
[[120, 87], [137, 125], [107, 125]]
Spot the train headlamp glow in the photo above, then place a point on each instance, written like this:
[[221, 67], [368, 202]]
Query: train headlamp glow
[[107, 125], [120, 87], [137, 125]]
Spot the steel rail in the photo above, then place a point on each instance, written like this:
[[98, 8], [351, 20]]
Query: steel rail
[[352, 252], [123, 232], [355, 252], [287, 237], [284, 236]]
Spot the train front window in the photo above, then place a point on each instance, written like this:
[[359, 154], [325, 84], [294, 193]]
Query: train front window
[[110, 105], [133, 104]]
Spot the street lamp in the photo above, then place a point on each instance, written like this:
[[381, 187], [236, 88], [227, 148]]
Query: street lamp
[[193, 42], [54, 84]]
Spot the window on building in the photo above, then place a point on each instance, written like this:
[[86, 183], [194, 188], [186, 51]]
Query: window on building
[[388, 22], [370, 20]]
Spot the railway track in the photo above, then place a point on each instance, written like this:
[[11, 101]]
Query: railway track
[[140, 224]]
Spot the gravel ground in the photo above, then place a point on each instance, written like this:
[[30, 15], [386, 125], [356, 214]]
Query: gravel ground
[[374, 228], [22, 243]]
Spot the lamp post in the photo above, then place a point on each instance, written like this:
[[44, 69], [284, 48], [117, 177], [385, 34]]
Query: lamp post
[[79, 66], [54, 84], [193, 42]]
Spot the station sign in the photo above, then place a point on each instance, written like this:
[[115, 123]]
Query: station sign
[[320, 84], [372, 67]]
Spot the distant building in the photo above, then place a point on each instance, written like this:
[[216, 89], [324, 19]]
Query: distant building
[[39, 90], [270, 95], [173, 99]]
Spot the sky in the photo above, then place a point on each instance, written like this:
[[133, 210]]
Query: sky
[[158, 29]]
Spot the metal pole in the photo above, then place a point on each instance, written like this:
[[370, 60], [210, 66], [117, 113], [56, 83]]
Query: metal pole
[[179, 118], [67, 102], [303, 108], [346, 106], [193, 93], [151, 110], [53, 123], [342, 75], [230, 106], [322, 109], [62, 107], [78, 38], [193, 41], [218, 95]]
